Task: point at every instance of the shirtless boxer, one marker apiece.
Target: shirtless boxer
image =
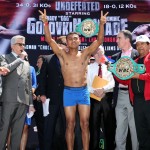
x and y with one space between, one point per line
74 70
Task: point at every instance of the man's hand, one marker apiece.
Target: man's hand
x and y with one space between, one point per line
99 92
34 96
4 70
43 98
23 55
103 18
31 109
43 16
135 76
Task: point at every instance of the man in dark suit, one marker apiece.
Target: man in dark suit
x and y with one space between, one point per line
102 130
38 115
51 86
124 109
16 95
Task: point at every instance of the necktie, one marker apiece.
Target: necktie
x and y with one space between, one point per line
100 71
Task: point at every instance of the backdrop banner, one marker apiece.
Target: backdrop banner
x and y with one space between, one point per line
22 17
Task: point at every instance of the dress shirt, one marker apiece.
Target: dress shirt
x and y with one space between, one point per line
107 75
17 56
127 53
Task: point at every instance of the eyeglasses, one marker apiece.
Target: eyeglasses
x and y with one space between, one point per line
20 44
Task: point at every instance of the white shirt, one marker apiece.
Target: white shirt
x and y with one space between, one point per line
107 75
16 56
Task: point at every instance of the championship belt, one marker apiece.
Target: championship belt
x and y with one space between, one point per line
125 67
87 28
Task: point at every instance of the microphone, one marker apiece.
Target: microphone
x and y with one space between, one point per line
25 55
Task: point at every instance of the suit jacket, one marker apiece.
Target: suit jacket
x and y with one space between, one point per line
134 55
0 85
17 83
51 80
